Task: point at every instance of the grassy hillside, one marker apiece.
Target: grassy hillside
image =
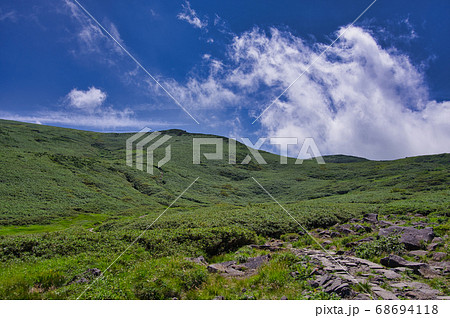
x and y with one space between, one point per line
69 202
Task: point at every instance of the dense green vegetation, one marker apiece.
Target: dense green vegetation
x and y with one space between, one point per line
68 202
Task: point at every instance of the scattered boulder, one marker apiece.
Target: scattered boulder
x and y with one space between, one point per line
345 229
426 271
284 298
86 276
383 293
437 240
418 253
256 262
198 260
432 246
232 269
385 223
412 238
371 218
219 298
419 268
398 261
439 256
389 274
220 267
362 297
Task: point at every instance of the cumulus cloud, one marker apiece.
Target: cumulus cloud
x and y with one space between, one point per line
88 100
358 98
190 16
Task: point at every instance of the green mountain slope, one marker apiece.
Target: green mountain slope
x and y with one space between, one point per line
48 173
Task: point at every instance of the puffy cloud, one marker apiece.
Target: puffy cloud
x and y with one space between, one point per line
88 100
190 16
358 98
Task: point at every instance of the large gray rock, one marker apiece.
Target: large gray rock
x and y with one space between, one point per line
398 261
411 237
419 268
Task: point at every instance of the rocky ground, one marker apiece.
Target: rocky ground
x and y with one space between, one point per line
417 259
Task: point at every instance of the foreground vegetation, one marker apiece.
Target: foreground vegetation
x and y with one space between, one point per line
68 203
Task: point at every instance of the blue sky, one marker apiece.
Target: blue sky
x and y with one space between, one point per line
381 91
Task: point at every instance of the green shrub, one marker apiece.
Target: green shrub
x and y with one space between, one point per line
380 246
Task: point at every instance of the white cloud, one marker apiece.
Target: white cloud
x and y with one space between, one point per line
88 100
357 99
190 16
108 119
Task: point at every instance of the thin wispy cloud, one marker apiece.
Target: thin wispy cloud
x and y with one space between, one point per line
86 108
9 15
190 16
90 37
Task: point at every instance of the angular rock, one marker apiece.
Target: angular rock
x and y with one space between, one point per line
426 271
397 261
390 274
220 267
284 298
256 262
411 237
439 256
437 240
419 253
432 246
86 276
322 280
420 294
371 218
361 297
345 229
219 298
333 286
383 293
385 223
198 260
